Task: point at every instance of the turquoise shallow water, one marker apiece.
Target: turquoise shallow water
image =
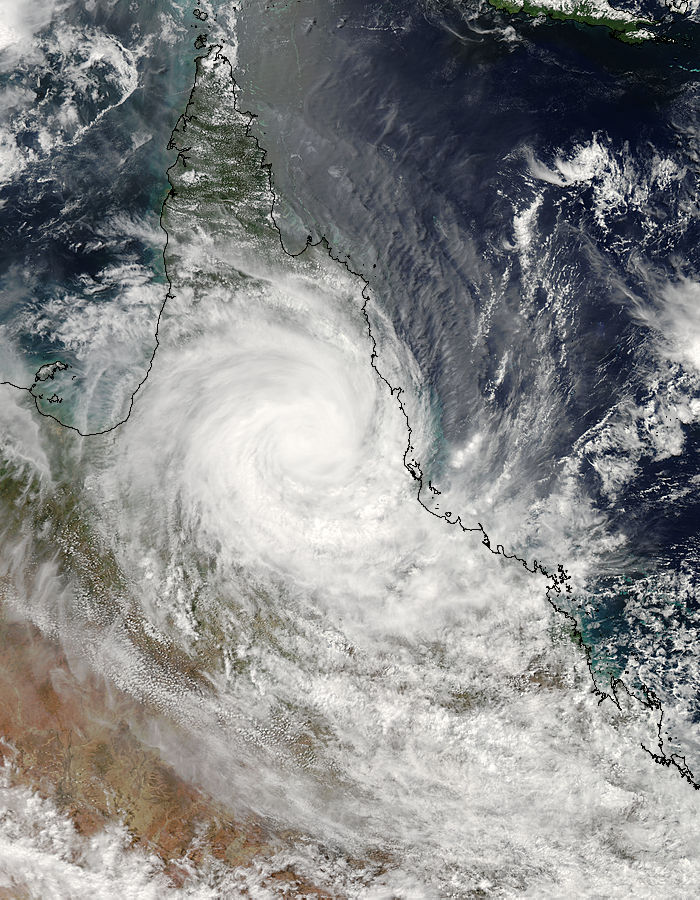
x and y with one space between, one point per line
523 203
375 684
90 104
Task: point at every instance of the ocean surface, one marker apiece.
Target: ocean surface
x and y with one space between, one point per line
525 204
393 552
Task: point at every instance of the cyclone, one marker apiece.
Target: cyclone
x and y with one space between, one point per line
370 675
238 619
273 444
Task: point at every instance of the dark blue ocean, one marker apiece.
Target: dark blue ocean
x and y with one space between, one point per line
518 199
525 203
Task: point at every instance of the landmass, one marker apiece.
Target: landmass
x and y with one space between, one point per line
622 25
48 371
76 744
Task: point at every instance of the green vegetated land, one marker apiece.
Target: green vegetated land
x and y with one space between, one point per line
622 26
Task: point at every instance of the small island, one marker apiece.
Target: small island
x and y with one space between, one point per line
48 372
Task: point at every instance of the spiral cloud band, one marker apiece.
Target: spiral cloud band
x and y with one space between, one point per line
395 701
